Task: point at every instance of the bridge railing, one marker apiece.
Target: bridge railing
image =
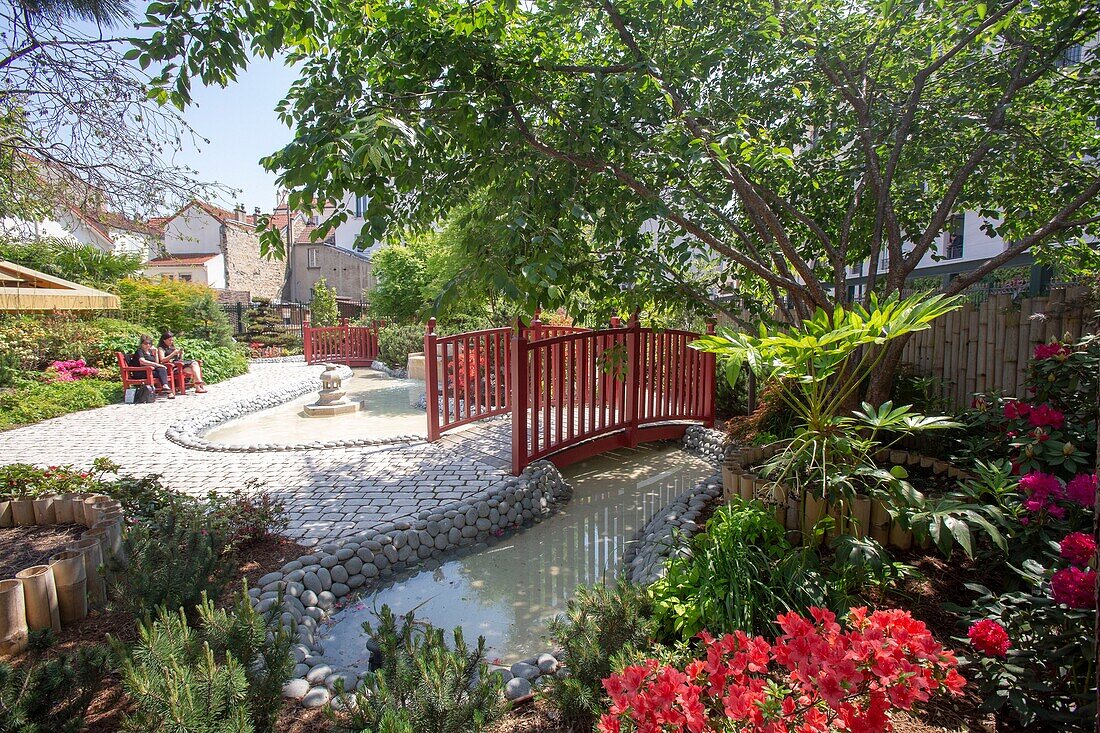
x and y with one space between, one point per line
582 393
344 344
469 377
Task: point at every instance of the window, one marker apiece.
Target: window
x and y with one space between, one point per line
314 258
856 269
185 277
954 249
1071 55
361 206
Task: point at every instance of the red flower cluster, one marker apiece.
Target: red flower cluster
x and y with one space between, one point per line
1081 489
815 677
1042 416
1079 548
71 371
1053 350
1074 587
989 638
1016 410
1043 491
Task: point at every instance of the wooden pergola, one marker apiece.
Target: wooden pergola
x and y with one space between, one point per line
24 289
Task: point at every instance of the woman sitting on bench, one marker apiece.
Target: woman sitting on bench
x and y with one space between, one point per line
169 353
146 355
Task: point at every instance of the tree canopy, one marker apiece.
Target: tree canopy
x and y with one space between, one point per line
693 146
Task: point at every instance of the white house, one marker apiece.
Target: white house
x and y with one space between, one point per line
106 231
209 245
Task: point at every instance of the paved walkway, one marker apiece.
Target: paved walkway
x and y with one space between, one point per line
328 493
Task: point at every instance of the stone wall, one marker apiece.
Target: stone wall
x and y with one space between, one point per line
246 269
348 272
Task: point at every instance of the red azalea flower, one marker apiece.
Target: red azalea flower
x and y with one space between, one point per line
989 638
1079 548
1074 587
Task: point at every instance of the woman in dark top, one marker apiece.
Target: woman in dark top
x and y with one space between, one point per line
168 352
146 355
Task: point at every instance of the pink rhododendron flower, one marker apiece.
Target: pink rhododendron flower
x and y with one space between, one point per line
1074 587
989 638
1079 548
1081 489
1046 416
1015 409
1042 490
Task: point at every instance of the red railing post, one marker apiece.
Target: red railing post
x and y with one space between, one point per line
520 381
307 341
633 380
536 325
431 381
709 382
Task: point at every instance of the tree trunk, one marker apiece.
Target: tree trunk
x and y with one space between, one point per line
881 383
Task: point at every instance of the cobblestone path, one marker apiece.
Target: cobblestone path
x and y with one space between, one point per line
329 493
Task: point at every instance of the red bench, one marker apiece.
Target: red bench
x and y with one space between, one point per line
134 376
181 379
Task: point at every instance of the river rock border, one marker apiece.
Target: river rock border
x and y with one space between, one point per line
189 433
670 528
312 585
277 359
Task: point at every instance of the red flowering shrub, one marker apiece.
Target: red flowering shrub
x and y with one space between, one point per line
1074 587
815 677
1053 350
1079 548
989 638
1042 416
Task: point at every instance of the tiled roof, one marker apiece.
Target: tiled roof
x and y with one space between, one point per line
180 259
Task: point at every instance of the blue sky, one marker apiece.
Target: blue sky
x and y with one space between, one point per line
241 125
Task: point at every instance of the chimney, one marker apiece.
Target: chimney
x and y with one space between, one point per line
238 213
256 211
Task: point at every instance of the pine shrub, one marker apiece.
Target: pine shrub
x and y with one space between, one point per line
600 625
172 560
264 326
177 684
51 696
423 685
261 643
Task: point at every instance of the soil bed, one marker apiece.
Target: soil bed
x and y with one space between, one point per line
22 547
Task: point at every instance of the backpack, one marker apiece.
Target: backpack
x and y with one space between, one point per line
140 395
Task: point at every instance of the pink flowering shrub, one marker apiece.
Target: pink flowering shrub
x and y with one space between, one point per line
816 676
1079 548
1074 587
70 371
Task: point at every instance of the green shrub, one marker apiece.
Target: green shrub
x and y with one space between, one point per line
264 326
322 308
261 643
186 309
396 342
31 402
51 696
600 626
218 362
172 560
423 686
177 684
740 574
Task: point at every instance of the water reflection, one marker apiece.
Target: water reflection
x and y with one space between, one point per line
506 592
387 409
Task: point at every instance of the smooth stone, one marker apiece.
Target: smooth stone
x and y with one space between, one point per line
344 553
313 582
516 688
339 574
309 598
295 689
357 581
340 589
316 697
326 600
353 566
329 561
318 674
325 577
290 567
300 670
270 578
525 670
547 663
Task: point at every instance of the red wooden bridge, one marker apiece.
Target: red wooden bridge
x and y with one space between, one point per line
571 392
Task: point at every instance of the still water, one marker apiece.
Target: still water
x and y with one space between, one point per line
387 410
508 591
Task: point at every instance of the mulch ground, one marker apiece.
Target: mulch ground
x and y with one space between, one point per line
22 547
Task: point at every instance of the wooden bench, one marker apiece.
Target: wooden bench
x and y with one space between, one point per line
135 376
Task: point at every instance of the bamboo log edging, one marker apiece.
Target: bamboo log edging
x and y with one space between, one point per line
61 592
13 617
800 514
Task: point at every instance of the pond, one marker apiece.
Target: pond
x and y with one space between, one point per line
507 591
388 409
